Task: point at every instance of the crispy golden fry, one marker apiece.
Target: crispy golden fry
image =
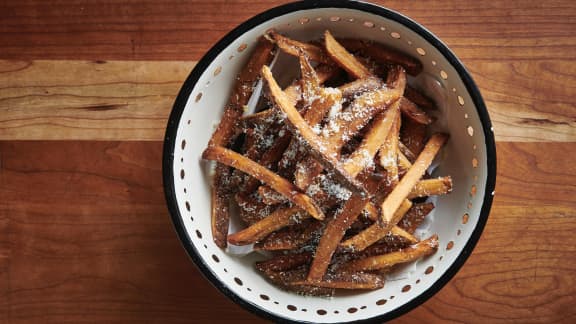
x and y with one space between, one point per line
401 233
277 220
312 115
344 59
294 48
285 262
271 197
225 131
300 127
410 110
350 121
371 211
431 187
333 234
294 93
319 99
413 136
415 217
375 232
220 212
373 140
383 54
309 82
304 171
403 163
251 209
319 106
401 191
419 99
345 280
242 91
414 252
406 153
389 151
286 280
359 86
281 185
291 237
271 156
262 117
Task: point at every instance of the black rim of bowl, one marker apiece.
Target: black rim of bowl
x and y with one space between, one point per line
188 86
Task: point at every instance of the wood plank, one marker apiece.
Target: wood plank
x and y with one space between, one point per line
536 174
90 241
184 30
131 100
94 100
529 101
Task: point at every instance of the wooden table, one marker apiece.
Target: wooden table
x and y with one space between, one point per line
85 91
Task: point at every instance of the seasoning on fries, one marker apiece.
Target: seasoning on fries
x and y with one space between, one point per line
329 180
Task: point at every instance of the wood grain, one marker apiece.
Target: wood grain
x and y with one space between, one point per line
84 233
81 100
184 30
131 100
89 240
520 272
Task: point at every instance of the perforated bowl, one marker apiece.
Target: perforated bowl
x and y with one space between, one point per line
469 157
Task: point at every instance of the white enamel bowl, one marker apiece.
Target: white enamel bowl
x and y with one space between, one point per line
469 157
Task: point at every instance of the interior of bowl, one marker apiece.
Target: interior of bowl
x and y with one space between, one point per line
468 157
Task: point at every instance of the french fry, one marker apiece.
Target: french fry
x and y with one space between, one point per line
294 93
313 115
359 86
415 216
383 54
406 153
414 252
281 185
346 124
286 280
344 59
257 231
345 280
349 122
303 171
372 141
389 152
376 231
270 197
413 136
284 262
220 208
431 187
403 163
294 48
291 237
300 127
399 232
251 209
419 99
419 167
241 93
410 110
333 234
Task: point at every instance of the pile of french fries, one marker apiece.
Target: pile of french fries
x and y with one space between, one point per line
330 175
